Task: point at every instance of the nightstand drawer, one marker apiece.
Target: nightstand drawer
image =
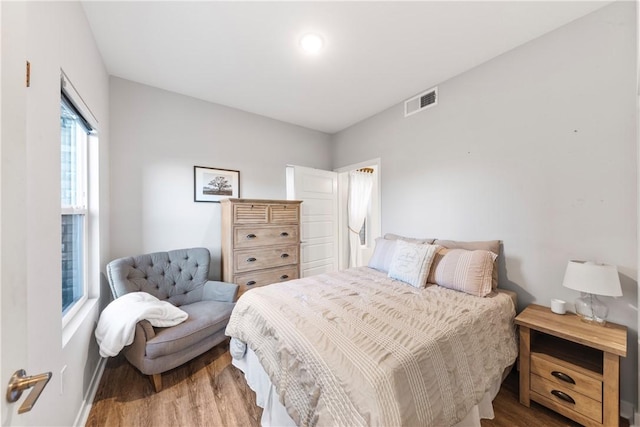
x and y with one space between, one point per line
562 396
251 280
569 376
255 259
253 236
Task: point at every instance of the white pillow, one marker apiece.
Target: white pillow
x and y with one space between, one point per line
382 254
411 262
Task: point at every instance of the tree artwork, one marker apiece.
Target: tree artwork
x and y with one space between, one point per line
219 185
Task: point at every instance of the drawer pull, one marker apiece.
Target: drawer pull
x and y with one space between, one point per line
284 277
251 282
284 234
251 236
284 256
562 376
563 396
252 259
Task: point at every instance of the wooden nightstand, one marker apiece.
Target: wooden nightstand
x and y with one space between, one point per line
570 366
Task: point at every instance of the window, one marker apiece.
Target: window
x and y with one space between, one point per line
74 131
363 233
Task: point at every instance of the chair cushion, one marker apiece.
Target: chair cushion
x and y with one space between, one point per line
205 319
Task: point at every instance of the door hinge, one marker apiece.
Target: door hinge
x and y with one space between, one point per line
28 74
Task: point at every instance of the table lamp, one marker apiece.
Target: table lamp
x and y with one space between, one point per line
592 279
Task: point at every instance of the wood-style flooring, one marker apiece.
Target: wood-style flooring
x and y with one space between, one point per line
209 391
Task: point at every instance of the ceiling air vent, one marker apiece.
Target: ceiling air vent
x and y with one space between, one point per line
421 102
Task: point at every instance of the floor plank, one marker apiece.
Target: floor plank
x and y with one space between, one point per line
209 391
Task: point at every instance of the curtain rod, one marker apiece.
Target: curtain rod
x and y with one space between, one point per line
366 170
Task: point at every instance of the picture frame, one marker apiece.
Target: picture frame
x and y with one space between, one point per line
214 184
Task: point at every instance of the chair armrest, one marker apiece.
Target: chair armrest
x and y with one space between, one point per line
220 291
145 327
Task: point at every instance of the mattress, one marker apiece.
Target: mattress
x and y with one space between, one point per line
357 348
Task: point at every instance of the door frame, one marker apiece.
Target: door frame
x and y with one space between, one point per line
376 206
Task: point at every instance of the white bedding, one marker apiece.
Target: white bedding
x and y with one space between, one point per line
357 348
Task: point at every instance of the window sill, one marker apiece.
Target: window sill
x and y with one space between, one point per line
78 319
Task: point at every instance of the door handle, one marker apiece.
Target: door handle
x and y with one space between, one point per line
19 382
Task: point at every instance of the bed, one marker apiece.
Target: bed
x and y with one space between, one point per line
357 347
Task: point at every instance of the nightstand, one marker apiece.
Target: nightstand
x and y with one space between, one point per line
570 366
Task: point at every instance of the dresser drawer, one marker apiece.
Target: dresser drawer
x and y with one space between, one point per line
569 376
250 213
256 279
256 259
254 236
562 396
285 214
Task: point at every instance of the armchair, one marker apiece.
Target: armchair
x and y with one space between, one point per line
180 277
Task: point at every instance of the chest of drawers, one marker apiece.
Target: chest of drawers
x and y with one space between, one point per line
260 241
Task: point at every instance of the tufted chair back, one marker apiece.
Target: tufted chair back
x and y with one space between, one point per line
176 276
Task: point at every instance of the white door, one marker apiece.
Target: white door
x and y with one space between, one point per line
318 190
13 210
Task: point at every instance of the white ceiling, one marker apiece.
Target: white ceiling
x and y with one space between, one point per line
246 55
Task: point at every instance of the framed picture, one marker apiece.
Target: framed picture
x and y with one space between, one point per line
213 185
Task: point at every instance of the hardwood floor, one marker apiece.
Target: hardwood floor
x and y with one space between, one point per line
209 391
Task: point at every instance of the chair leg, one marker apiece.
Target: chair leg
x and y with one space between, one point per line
156 379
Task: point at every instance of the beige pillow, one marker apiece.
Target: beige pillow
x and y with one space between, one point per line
489 245
411 262
390 236
462 270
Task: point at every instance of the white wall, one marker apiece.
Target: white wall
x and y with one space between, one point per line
536 147
157 137
55 36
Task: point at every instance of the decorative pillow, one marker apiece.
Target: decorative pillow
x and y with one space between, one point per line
382 254
489 245
466 271
411 262
391 236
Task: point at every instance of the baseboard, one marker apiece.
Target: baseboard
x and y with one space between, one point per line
83 414
627 411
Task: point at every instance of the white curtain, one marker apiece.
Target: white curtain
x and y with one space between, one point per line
360 185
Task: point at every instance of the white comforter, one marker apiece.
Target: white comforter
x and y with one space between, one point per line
117 325
357 348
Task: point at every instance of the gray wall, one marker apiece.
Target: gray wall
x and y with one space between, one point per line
157 137
536 147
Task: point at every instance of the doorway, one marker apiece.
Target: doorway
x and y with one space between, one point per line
324 219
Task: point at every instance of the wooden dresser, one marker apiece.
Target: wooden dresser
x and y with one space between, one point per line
260 241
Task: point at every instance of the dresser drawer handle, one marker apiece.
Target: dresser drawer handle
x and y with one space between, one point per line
251 236
252 259
251 282
563 396
284 276
284 256
284 234
562 376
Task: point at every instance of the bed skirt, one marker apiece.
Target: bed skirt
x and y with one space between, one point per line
274 413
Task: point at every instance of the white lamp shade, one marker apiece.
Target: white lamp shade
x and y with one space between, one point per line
597 279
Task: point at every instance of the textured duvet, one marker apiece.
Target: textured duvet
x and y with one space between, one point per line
355 348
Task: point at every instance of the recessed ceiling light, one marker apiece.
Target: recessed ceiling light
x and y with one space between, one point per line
311 43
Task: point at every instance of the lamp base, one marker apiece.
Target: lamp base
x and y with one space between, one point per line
591 310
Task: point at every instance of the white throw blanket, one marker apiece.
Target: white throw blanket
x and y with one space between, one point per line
117 325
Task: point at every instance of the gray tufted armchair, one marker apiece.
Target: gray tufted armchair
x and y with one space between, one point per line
180 277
